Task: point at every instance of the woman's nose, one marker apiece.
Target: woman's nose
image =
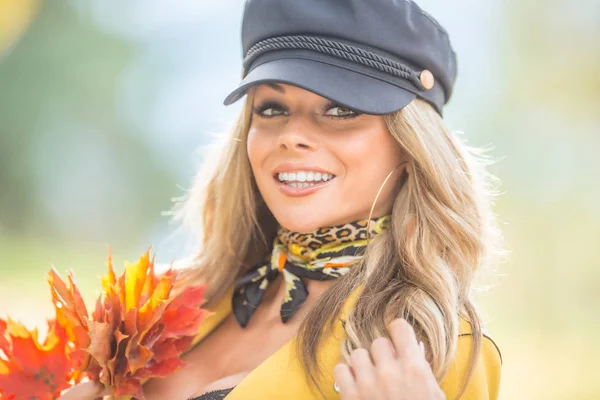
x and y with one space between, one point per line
296 137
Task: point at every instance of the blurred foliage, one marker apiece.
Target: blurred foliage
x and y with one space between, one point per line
74 174
555 59
15 16
60 129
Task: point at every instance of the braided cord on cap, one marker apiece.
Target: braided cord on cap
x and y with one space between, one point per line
337 49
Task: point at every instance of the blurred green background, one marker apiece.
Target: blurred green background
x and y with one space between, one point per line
102 105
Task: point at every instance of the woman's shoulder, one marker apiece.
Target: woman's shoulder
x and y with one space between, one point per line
466 333
484 382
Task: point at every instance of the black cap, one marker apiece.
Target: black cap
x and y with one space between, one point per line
373 56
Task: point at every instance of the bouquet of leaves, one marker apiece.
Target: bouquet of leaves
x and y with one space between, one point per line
137 330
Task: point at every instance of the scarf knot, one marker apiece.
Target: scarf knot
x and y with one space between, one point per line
323 254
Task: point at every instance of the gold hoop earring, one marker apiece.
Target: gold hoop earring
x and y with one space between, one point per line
377 196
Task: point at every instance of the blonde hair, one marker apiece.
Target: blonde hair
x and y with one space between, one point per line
421 269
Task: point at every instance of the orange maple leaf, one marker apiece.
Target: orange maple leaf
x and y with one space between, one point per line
30 370
137 329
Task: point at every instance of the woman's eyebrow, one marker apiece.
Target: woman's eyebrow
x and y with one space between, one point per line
275 86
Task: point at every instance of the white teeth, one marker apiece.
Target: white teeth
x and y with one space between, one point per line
300 184
304 176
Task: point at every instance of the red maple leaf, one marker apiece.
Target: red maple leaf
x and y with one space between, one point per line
30 370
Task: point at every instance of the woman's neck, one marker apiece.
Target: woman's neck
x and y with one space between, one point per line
275 294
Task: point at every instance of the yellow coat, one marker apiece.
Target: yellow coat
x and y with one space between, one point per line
281 376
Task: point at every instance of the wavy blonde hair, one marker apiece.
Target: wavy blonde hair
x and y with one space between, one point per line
421 269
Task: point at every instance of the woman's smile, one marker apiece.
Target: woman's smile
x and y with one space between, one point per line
297 180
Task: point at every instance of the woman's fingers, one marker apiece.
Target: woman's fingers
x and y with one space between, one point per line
365 374
85 391
382 351
387 368
395 369
345 381
404 339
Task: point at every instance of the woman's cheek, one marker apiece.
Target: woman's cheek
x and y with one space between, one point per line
255 148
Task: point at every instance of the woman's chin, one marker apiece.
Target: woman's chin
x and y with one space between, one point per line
302 222
307 222
300 226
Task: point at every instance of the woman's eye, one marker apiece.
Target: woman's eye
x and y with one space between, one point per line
341 112
269 110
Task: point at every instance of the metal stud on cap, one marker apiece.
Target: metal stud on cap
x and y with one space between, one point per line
427 79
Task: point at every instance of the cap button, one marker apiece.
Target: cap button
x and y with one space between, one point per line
427 79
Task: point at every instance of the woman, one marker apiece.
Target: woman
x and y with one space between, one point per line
341 224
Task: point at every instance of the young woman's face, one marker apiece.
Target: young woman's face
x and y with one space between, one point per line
318 164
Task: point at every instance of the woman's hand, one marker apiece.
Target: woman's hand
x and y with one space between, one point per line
85 391
397 371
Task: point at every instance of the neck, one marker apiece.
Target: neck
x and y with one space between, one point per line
275 295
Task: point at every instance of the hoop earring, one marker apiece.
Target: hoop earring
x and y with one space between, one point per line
403 180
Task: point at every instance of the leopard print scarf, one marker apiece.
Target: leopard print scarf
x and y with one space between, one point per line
323 254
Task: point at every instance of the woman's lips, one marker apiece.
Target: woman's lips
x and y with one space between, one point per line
303 191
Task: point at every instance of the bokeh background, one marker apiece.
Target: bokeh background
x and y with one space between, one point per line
103 103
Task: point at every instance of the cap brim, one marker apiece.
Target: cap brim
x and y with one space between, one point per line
351 89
